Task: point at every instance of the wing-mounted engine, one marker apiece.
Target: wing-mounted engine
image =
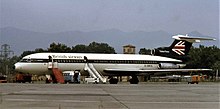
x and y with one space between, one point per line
168 66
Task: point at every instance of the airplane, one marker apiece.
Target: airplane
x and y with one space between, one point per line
102 65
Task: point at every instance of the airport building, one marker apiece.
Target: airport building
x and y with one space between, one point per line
129 49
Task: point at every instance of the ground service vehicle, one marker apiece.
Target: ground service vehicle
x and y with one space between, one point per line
22 78
3 79
193 79
71 76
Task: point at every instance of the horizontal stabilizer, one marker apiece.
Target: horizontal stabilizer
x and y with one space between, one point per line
191 39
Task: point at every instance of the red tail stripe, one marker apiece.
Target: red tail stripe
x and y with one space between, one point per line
179 47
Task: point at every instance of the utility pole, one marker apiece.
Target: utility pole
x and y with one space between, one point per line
5 53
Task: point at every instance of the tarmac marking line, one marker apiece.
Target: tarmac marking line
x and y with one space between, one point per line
40 100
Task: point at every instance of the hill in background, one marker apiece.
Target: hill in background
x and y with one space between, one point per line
22 40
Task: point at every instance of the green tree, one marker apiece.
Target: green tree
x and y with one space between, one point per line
11 62
25 53
59 48
145 51
95 47
38 50
216 66
8 64
203 57
80 49
1 66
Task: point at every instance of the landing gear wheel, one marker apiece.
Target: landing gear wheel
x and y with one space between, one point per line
134 80
113 80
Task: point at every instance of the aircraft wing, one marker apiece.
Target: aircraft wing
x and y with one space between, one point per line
109 70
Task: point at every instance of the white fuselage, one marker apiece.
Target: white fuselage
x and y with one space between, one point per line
38 63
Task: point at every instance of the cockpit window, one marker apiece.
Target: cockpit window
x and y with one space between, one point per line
35 60
23 60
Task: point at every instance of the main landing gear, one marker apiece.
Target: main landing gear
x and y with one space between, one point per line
134 80
112 80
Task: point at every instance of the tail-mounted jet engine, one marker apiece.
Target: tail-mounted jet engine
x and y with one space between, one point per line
168 66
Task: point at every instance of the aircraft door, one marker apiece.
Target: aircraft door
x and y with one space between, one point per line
50 59
52 64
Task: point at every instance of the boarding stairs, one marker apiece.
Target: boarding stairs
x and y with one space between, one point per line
57 72
94 73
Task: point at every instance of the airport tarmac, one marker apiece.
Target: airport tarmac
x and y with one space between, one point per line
108 96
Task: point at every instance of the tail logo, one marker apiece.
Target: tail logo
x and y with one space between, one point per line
179 48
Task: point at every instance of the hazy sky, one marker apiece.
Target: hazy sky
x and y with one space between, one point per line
173 16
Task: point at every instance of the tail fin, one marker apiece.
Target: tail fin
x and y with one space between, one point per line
180 48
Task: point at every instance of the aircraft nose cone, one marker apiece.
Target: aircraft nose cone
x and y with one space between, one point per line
16 67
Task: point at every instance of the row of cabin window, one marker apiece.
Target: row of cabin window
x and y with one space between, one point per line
91 61
105 61
55 60
124 61
34 60
68 61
